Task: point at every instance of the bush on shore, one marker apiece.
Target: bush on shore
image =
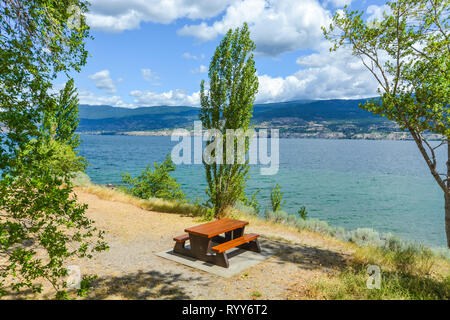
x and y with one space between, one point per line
156 183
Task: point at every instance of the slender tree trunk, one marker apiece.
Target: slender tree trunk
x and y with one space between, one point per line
447 196
447 218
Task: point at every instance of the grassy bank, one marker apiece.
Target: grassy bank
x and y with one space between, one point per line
154 204
408 270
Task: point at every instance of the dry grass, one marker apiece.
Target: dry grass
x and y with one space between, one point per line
404 275
154 204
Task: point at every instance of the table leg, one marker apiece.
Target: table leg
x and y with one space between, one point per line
200 248
251 246
199 245
238 233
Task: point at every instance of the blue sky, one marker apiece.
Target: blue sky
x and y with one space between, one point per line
148 53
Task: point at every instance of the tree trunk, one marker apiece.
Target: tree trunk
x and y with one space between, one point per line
447 218
447 196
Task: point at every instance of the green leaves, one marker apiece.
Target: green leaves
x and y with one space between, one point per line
41 223
276 198
60 118
155 184
228 105
408 53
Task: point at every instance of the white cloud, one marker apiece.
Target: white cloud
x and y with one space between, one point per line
201 69
187 55
323 75
376 12
120 15
87 97
339 3
176 97
103 81
149 75
276 26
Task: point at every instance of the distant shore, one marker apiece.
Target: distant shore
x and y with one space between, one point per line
293 135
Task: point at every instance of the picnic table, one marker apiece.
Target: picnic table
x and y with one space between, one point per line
207 243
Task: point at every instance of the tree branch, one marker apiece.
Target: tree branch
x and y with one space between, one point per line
434 173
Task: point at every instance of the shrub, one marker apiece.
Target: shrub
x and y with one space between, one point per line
253 202
155 184
80 179
393 243
292 219
441 252
276 198
279 216
365 236
314 225
245 209
303 213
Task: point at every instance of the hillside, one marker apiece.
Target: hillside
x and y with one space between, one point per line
306 118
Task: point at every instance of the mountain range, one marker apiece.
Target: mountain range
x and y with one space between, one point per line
335 118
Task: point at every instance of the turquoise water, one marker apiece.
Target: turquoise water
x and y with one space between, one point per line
383 185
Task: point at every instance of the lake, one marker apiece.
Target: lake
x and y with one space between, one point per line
384 185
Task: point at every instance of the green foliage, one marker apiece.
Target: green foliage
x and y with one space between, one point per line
228 105
41 210
41 223
253 202
364 236
303 213
36 44
276 198
155 184
408 53
245 209
61 116
278 216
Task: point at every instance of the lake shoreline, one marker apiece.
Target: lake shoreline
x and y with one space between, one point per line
391 136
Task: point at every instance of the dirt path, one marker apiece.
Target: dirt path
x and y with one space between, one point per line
131 270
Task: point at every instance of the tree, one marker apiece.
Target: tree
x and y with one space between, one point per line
276 198
408 53
61 116
155 184
228 105
41 223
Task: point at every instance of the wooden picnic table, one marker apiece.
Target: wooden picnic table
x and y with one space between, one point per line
203 237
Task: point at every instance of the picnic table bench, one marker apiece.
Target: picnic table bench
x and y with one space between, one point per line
207 244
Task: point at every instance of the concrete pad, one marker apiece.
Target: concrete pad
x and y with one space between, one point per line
239 260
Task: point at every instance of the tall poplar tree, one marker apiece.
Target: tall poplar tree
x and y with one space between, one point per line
228 104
